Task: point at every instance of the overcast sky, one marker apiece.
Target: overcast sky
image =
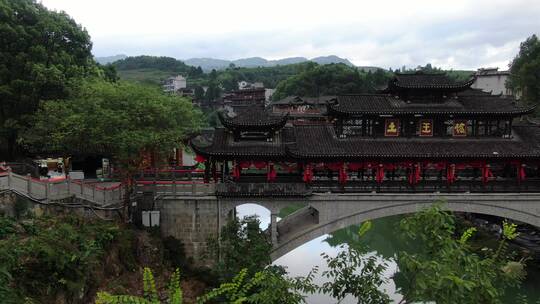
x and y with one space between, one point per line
458 34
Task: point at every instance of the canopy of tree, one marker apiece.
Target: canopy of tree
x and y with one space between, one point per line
331 79
119 120
525 71
41 51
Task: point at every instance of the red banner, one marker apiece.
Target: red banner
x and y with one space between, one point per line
451 174
308 174
486 174
343 175
271 175
380 174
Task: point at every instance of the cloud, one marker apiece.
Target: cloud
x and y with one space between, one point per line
460 34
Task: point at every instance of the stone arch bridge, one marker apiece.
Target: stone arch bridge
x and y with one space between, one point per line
195 219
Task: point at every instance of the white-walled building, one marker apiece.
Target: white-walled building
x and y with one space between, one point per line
174 84
492 80
244 85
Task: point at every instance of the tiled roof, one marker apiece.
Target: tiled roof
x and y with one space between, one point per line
421 80
387 104
223 144
253 118
474 92
298 100
320 142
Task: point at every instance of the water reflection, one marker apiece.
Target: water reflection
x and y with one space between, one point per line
301 260
382 239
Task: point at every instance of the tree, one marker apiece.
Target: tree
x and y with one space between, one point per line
119 120
445 270
330 79
41 51
109 72
240 236
525 71
199 93
356 272
441 268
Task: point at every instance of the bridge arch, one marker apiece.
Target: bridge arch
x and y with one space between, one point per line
332 218
248 209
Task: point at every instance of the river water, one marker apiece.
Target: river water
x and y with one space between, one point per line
381 239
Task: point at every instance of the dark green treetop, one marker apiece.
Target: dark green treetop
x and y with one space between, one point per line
41 51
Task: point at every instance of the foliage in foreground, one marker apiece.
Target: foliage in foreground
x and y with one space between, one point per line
268 286
150 292
445 270
356 272
44 259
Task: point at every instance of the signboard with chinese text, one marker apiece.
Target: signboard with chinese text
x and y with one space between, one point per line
391 127
426 127
460 128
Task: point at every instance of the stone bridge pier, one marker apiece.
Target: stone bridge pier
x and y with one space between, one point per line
194 220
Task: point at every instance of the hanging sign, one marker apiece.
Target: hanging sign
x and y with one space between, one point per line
391 127
426 127
460 128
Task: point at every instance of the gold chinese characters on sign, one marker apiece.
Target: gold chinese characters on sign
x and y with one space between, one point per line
460 128
391 127
426 127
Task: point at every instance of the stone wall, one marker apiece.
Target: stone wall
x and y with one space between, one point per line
13 204
192 220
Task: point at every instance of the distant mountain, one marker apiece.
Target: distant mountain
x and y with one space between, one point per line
110 59
208 64
252 62
331 59
290 60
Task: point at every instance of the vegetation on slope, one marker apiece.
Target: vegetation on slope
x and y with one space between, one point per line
50 259
525 71
331 79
